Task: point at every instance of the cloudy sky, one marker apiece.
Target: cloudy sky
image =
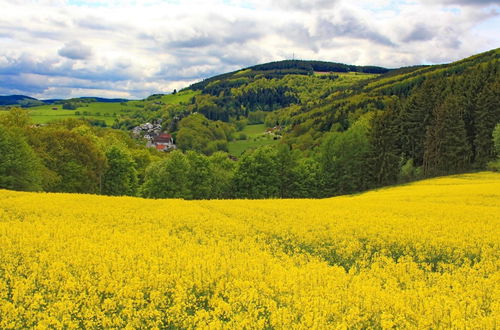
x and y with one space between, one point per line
131 49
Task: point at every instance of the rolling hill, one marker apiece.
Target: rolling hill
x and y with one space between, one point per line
27 101
20 100
280 69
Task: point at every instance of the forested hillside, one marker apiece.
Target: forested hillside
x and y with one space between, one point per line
331 129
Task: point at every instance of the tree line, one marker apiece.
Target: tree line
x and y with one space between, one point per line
71 156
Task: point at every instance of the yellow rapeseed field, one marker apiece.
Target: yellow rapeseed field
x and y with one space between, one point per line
423 255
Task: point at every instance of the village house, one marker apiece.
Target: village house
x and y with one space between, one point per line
163 142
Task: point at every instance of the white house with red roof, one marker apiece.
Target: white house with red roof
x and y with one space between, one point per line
163 142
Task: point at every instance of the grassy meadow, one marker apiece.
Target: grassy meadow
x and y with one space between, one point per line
255 137
95 110
422 255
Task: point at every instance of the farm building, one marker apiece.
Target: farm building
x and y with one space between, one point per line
163 142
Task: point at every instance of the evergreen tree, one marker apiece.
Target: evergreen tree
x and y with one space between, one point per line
487 115
469 86
327 161
285 166
383 156
447 149
415 117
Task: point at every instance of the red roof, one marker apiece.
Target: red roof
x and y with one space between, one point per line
165 136
160 147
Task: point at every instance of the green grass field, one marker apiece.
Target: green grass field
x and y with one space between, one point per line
95 110
256 137
180 97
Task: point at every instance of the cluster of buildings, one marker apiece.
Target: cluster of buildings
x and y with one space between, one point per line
147 130
155 137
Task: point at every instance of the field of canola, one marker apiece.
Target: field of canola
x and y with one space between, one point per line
424 255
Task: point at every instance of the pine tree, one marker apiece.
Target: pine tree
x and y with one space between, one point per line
469 87
487 116
285 167
447 149
415 117
328 160
384 156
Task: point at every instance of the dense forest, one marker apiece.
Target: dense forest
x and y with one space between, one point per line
342 129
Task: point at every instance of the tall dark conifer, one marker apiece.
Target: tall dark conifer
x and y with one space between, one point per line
384 155
286 164
487 116
469 86
415 117
447 149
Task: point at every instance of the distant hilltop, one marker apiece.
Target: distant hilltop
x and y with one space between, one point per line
280 69
28 101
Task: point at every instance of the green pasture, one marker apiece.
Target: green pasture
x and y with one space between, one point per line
256 137
96 110
180 97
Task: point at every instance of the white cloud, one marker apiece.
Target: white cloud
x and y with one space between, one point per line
133 49
75 50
